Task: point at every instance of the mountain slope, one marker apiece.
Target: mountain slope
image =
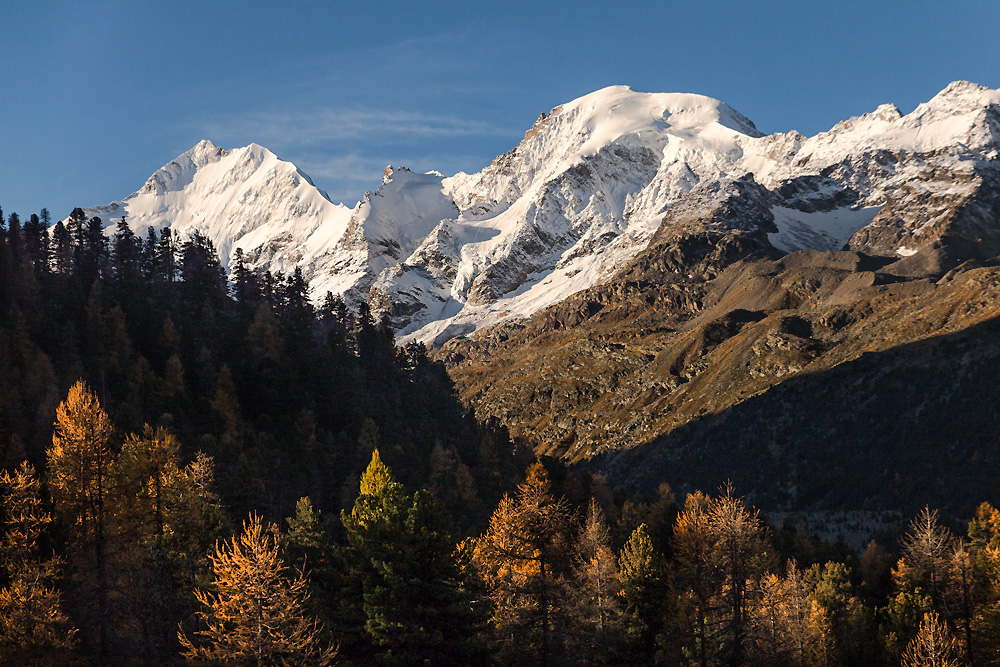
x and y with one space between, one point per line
585 191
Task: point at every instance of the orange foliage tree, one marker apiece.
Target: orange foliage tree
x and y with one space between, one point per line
256 612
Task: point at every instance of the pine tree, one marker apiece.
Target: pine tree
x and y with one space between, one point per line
642 588
404 566
94 252
36 240
164 261
14 236
304 528
126 262
244 281
203 275
62 250
256 612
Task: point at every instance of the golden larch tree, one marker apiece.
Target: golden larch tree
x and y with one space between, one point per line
934 645
81 459
32 622
523 558
256 612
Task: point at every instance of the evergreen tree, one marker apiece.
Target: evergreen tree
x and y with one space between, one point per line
164 264
93 253
244 281
15 237
200 269
404 565
306 536
62 250
642 589
36 241
76 225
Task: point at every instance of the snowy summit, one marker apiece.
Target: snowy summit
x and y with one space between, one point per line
583 192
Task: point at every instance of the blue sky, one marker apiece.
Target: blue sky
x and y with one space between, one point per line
96 96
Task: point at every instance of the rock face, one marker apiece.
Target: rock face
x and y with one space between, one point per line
811 380
588 188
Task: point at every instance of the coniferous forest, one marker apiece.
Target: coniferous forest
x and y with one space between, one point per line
210 470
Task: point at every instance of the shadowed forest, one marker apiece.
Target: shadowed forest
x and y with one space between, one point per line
215 471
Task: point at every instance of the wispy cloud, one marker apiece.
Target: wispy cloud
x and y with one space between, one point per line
345 177
346 149
335 125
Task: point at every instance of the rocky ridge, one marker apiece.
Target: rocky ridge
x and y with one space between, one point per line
584 192
715 354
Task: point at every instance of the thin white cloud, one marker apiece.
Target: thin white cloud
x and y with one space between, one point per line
345 177
309 128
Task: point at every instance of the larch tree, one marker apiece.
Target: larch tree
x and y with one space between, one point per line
167 524
32 621
696 579
923 570
934 645
738 537
924 562
80 460
961 595
148 469
256 610
595 582
524 559
717 543
788 626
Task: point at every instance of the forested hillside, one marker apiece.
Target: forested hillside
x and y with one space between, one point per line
290 399
210 471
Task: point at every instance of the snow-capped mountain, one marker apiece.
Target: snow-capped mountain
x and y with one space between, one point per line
244 198
584 192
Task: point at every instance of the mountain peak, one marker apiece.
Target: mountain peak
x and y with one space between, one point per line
962 89
590 184
960 98
177 173
203 147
